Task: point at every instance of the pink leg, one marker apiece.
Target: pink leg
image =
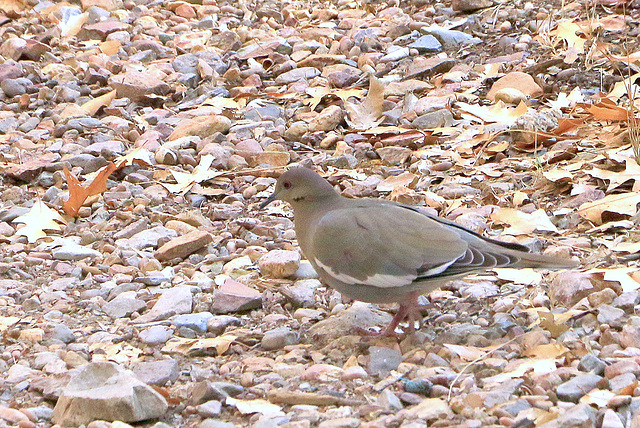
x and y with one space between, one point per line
410 310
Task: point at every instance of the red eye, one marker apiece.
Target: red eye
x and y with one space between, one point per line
286 185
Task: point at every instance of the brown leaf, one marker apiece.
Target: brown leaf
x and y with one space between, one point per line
79 193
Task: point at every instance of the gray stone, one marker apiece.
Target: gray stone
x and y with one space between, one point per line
148 238
608 314
197 322
579 416
204 391
389 401
434 119
156 335
623 384
173 301
12 88
87 162
218 323
302 73
133 228
69 250
209 408
62 333
427 44
591 363
216 423
575 388
157 372
302 292
383 360
627 301
123 305
279 338
451 39
108 392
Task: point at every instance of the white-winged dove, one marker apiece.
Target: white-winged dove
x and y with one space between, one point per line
379 251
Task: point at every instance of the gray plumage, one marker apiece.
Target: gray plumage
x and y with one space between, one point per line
380 251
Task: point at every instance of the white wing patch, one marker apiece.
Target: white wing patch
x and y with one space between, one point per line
377 280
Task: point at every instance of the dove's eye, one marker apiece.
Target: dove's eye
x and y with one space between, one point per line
287 185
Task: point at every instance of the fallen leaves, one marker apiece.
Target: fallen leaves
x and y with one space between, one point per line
78 193
204 346
39 219
367 114
521 223
621 204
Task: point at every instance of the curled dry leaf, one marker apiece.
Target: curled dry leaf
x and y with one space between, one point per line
92 107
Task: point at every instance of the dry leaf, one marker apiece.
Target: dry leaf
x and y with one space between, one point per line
72 26
557 175
522 223
618 178
37 220
548 350
568 31
498 113
525 276
6 322
79 193
186 180
621 203
254 406
92 107
598 397
549 323
190 347
367 114
13 7
467 353
139 155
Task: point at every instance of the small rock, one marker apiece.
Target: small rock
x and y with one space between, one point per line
394 155
12 88
173 301
233 296
106 391
218 323
157 372
327 120
302 73
197 322
607 314
209 409
184 245
426 44
279 263
591 363
383 360
204 391
201 127
581 415
575 388
123 305
156 335
279 338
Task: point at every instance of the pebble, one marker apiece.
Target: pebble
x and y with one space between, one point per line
279 338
